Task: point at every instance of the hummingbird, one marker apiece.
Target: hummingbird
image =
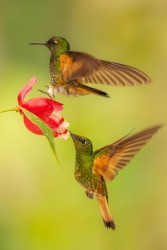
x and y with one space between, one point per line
92 169
70 71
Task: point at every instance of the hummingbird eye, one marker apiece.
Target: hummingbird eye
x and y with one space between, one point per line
52 42
82 140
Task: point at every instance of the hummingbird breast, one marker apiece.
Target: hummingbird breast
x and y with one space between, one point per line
92 183
55 75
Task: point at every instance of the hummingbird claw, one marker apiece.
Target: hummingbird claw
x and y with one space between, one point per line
51 96
44 92
47 92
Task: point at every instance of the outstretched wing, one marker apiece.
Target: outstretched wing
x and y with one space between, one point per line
110 159
88 69
76 65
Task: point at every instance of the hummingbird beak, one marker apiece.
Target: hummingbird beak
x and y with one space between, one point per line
38 43
72 135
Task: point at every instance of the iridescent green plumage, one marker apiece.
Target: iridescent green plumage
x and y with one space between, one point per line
92 169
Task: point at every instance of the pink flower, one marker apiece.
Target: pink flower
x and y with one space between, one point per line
44 108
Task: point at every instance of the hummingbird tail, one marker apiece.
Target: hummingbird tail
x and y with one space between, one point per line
105 212
85 90
98 92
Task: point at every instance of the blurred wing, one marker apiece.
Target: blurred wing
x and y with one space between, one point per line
110 159
87 69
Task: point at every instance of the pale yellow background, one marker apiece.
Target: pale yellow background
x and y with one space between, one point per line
44 208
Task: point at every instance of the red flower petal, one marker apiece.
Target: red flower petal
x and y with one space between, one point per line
26 89
57 106
36 130
42 107
31 126
64 135
54 125
38 106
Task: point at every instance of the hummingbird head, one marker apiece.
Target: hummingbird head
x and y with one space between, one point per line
82 144
55 44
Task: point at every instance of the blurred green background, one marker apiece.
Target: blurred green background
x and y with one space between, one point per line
42 207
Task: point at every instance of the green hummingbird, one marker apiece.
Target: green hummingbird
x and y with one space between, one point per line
92 169
70 71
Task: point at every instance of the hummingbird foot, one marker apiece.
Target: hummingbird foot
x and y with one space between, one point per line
46 93
52 91
49 92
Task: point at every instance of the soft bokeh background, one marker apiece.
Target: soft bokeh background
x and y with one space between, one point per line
42 207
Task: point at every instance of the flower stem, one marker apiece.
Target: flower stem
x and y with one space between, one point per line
12 109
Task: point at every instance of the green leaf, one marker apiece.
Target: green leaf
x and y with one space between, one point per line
45 129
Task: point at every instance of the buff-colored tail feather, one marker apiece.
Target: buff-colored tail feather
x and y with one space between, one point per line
105 212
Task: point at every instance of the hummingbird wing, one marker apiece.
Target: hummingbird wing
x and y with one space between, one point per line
88 69
76 65
110 159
